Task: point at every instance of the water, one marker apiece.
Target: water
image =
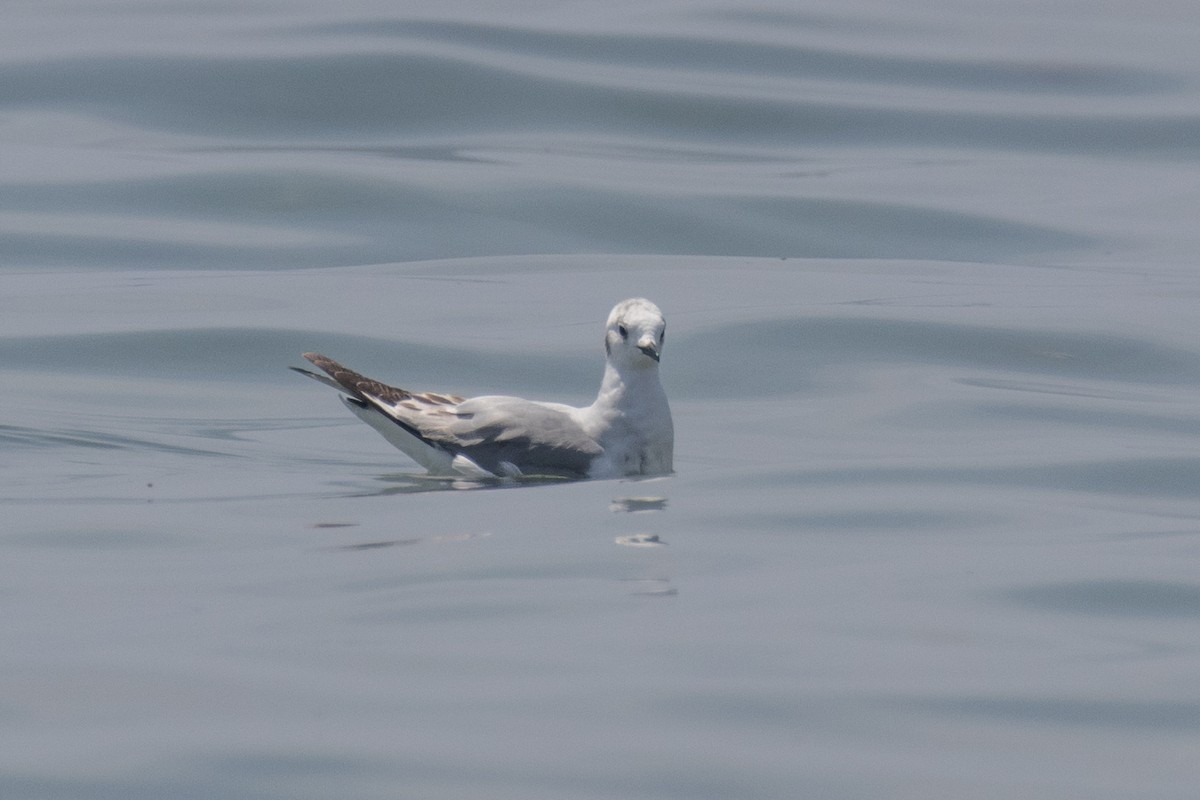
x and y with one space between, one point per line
931 283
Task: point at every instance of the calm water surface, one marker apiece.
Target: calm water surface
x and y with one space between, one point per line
931 281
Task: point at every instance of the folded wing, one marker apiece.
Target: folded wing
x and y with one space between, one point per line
495 434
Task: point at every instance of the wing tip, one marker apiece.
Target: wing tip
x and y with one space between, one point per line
328 366
317 377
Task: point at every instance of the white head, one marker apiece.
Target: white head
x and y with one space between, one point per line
635 334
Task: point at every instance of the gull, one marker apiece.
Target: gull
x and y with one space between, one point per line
627 430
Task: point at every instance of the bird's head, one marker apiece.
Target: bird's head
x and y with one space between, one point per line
634 337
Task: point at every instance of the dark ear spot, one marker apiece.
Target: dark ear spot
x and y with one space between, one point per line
607 346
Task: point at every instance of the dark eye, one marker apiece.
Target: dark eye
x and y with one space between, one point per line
662 335
621 329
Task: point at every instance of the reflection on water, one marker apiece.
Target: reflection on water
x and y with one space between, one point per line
641 540
419 482
637 505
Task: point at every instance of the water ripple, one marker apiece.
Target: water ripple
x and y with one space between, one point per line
682 89
1164 715
1119 598
1168 477
799 348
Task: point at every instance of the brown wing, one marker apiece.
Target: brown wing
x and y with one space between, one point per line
367 389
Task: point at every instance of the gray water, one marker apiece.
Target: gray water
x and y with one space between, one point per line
931 280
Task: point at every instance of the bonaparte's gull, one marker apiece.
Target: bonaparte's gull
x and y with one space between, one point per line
626 431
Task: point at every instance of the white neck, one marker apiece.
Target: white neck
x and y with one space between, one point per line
632 422
619 387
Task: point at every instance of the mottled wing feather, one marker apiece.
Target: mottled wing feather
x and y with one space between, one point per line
491 431
403 407
364 388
